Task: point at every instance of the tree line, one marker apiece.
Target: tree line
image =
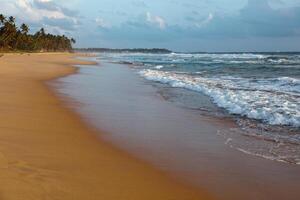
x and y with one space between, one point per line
14 38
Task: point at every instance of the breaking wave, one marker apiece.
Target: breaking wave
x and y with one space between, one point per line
274 101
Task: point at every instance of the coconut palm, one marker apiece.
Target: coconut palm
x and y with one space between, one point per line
24 29
14 38
2 19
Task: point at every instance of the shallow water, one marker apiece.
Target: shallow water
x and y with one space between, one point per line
261 92
174 135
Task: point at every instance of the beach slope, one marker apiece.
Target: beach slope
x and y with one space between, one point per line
46 152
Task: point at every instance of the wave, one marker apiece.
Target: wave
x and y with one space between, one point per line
209 59
275 101
220 56
159 67
285 85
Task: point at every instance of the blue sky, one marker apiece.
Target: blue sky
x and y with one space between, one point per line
182 25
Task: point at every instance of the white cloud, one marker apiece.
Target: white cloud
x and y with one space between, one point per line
102 23
36 14
40 12
157 20
139 3
206 21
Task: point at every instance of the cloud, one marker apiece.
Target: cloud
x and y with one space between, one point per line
156 20
141 27
44 13
206 21
52 6
101 23
139 3
257 19
66 23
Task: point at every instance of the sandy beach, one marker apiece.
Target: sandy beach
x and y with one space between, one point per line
47 152
149 100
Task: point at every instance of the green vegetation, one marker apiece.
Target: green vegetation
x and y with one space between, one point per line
13 38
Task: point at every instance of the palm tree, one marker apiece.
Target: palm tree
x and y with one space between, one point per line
11 20
24 29
22 39
42 31
2 18
14 38
8 33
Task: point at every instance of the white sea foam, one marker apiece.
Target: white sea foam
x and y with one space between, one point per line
219 56
245 61
209 58
286 85
272 101
283 61
277 146
159 67
268 157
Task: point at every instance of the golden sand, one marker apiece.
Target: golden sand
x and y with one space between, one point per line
46 152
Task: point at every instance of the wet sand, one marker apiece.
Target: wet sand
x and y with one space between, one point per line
47 152
179 141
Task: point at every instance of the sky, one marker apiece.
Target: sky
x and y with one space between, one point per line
180 25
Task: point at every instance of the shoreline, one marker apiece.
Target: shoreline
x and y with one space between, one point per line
47 152
176 140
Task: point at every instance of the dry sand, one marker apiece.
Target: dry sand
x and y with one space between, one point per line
46 152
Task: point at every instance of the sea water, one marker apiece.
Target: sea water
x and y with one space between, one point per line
259 91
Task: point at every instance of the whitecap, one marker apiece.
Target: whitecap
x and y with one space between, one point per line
240 96
159 67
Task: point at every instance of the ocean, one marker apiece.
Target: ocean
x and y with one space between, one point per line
259 91
227 123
